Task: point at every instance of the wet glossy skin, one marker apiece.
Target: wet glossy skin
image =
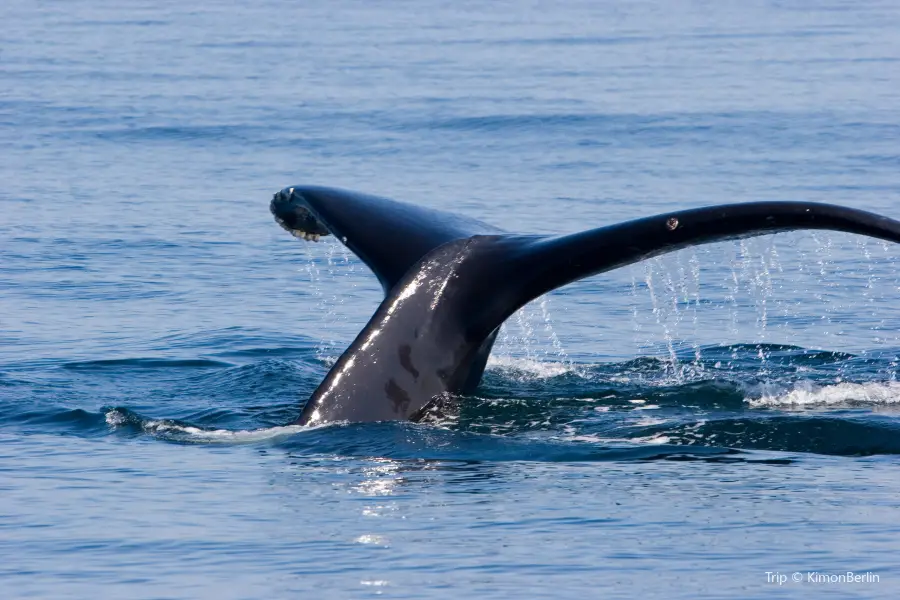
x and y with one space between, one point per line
415 346
412 350
389 236
450 282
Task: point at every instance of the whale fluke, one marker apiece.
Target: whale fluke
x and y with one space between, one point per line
450 283
389 236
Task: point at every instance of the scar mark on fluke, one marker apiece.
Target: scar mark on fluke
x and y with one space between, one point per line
399 398
405 352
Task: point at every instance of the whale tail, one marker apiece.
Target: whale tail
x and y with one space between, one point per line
537 265
451 282
389 236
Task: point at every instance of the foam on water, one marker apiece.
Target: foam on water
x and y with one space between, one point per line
189 433
529 367
807 394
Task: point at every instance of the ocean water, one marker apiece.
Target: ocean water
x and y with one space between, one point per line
710 423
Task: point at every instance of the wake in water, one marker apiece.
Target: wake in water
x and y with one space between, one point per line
536 402
733 398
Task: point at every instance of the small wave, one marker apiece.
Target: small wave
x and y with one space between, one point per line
234 341
691 365
84 422
783 353
810 394
572 434
499 122
145 363
181 133
275 352
817 434
173 430
7 381
419 442
410 441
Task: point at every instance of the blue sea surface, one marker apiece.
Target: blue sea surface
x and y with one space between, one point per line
709 423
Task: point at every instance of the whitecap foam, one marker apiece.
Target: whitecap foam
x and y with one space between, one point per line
570 434
650 422
115 418
594 438
224 436
192 433
653 440
807 393
378 540
535 368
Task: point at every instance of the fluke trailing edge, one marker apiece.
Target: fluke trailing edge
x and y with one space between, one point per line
450 282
